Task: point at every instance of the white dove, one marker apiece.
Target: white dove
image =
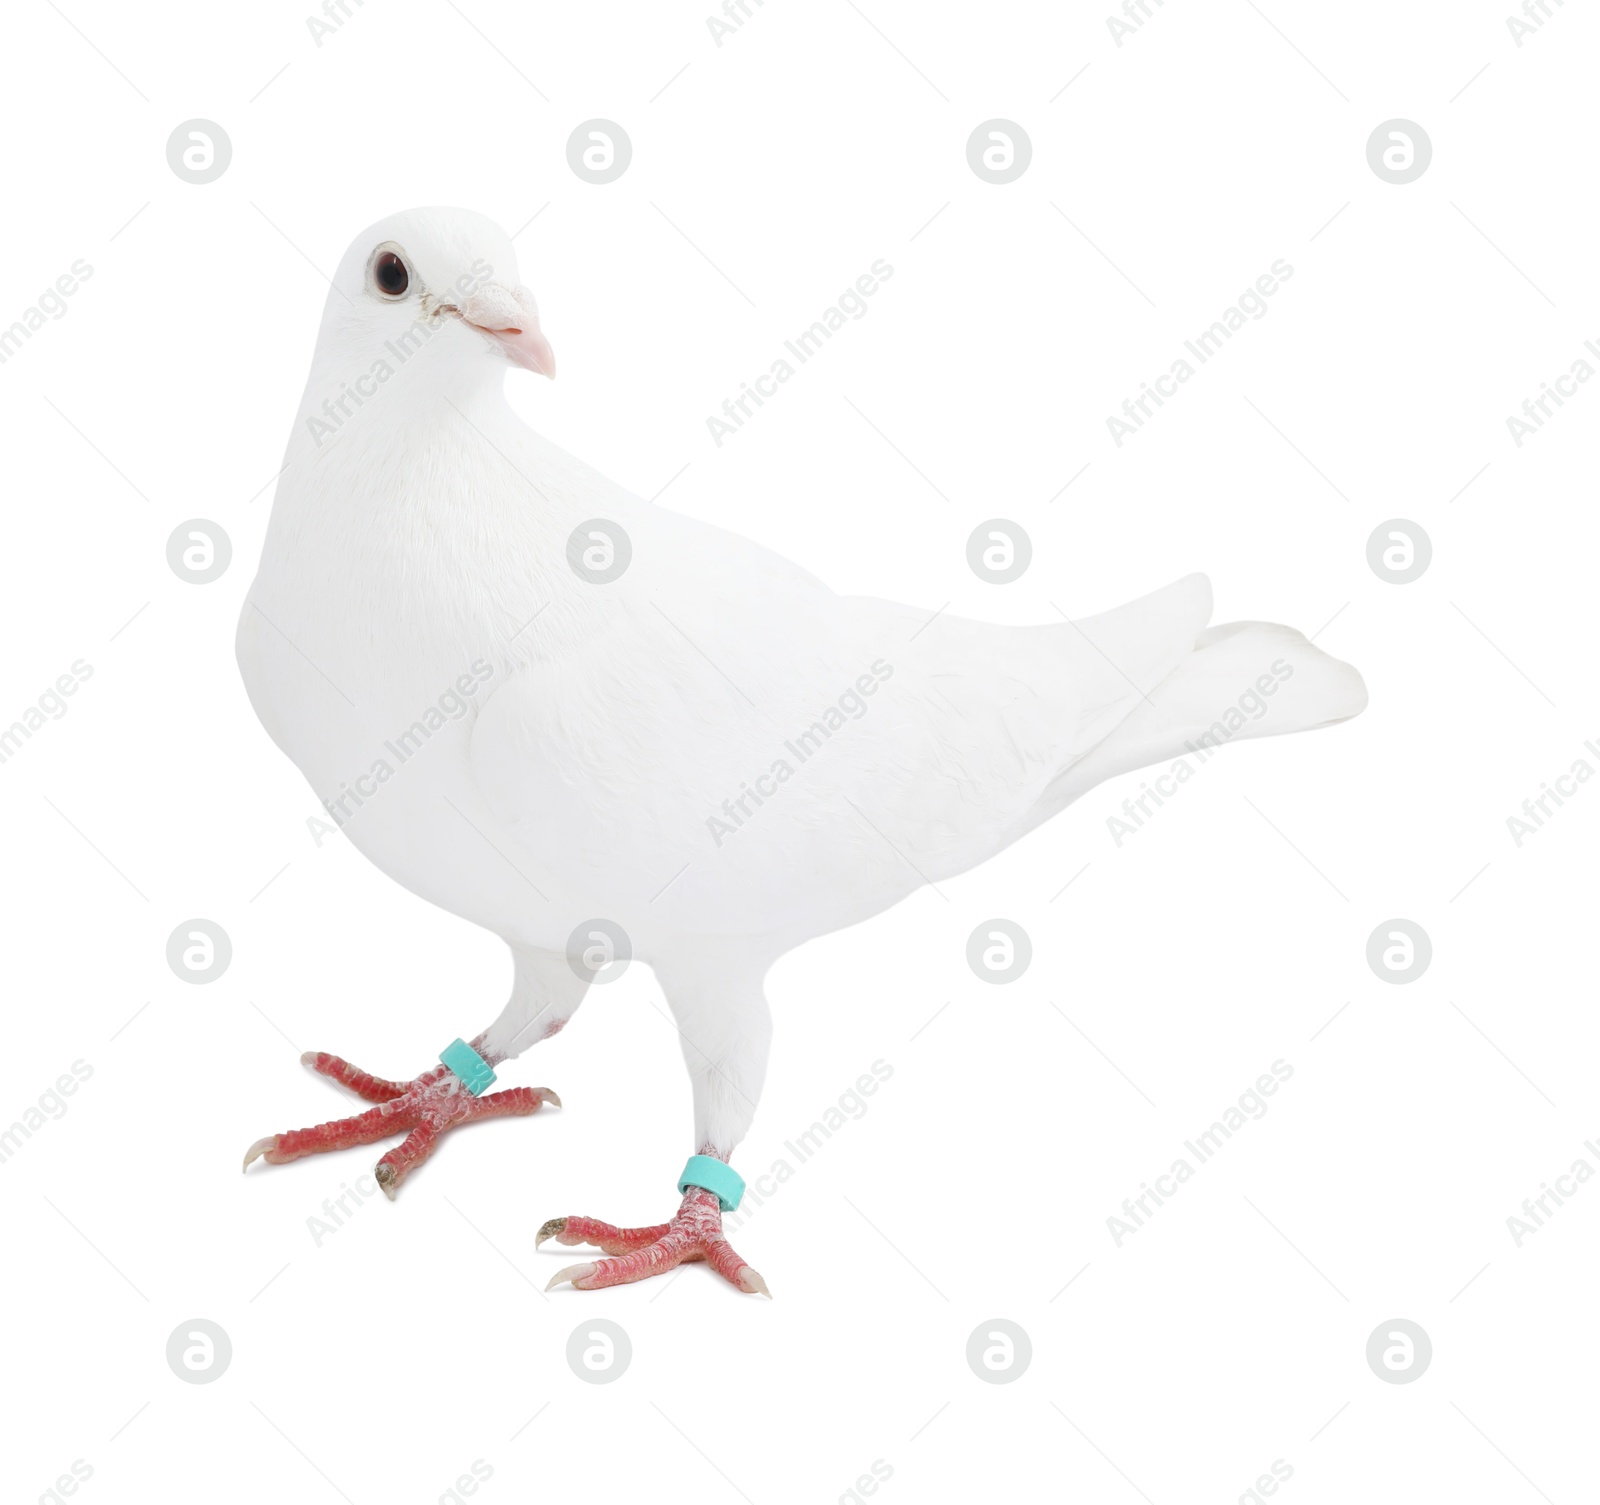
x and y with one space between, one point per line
601 729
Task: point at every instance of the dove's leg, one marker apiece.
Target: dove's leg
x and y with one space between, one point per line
544 995
726 1030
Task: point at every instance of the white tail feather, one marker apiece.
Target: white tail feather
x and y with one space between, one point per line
1244 679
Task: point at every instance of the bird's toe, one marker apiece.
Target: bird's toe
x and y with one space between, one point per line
267 1147
574 1273
751 1283
552 1229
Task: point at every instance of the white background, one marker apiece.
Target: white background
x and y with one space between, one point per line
767 175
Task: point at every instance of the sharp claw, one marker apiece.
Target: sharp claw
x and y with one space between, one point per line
574 1273
750 1281
550 1230
258 1149
386 1178
548 1095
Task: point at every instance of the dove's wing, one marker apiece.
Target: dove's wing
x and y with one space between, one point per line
726 741
990 715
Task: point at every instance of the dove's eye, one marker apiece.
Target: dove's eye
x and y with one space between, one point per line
389 274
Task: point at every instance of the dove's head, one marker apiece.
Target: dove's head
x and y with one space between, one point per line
439 286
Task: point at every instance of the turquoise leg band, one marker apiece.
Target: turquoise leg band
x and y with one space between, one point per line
714 1176
475 1072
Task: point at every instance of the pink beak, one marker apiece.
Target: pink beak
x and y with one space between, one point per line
510 318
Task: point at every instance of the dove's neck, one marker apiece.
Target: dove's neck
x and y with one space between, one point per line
356 399
430 503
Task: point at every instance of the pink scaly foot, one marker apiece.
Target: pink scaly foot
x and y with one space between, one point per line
424 1109
695 1233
